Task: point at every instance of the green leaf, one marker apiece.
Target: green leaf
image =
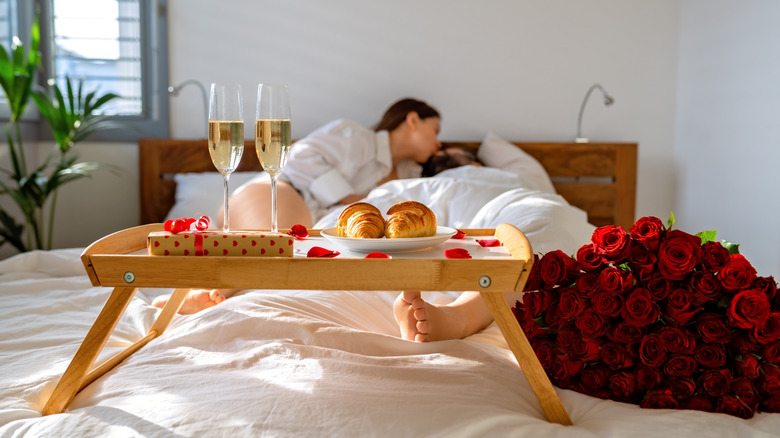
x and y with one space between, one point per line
707 236
670 222
732 247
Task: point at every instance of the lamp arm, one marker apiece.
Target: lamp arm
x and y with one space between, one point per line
174 91
607 101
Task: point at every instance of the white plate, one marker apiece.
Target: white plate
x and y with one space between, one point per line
390 245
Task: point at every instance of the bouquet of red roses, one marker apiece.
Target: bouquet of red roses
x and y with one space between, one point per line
657 317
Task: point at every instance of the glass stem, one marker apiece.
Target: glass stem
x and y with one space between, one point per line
274 227
226 213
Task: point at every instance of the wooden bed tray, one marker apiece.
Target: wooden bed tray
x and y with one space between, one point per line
120 261
599 178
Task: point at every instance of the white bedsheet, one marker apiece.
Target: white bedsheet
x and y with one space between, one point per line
300 363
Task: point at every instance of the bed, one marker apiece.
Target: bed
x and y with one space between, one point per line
315 362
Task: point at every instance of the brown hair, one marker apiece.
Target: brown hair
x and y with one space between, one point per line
396 114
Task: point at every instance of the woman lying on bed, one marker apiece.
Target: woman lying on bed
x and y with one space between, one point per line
411 138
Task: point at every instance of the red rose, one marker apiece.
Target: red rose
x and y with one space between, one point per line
531 328
772 353
658 286
652 351
606 303
624 333
588 258
615 280
622 385
748 309
746 391
714 256
534 281
769 383
710 355
714 383
595 377
678 254
590 323
769 331
680 366
747 366
564 368
713 328
641 260
705 287
698 403
640 309
679 308
570 305
737 274
612 243
587 284
771 404
552 318
556 268
537 302
648 377
681 387
545 352
659 399
648 231
766 284
677 341
586 349
733 405
742 344
616 356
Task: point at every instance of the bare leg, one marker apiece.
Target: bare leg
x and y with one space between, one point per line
251 207
197 299
424 322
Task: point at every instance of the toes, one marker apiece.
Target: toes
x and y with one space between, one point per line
216 296
423 327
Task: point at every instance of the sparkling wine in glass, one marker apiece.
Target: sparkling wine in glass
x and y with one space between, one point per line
226 135
273 135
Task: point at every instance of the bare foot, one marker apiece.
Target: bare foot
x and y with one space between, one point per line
424 322
196 300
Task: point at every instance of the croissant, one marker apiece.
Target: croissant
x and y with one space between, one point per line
360 220
410 219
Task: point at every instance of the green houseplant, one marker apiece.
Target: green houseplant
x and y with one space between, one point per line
71 116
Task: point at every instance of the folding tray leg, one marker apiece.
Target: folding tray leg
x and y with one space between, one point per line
529 363
76 376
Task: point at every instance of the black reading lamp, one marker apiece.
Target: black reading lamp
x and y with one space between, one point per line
608 100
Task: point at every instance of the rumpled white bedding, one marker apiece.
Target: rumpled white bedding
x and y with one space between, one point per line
303 363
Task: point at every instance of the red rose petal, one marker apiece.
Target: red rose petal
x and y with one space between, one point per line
488 242
299 232
318 251
457 253
458 235
377 255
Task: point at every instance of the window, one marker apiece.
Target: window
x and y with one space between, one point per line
115 46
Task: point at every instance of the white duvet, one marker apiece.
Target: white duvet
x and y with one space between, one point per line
306 363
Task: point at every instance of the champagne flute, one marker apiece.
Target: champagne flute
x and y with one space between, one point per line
226 135
272 135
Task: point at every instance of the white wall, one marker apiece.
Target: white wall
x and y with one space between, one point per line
519 68
727 154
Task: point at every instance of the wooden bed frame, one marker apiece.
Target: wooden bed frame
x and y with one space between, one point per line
599 178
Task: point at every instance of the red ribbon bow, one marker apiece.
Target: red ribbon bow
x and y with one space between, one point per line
183 224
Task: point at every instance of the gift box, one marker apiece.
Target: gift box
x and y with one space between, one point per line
219 243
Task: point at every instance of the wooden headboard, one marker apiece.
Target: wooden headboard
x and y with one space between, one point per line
599 178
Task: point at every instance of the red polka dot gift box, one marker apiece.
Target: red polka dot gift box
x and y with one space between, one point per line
219 243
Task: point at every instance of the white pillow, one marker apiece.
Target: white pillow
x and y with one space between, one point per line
199 194
499 153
